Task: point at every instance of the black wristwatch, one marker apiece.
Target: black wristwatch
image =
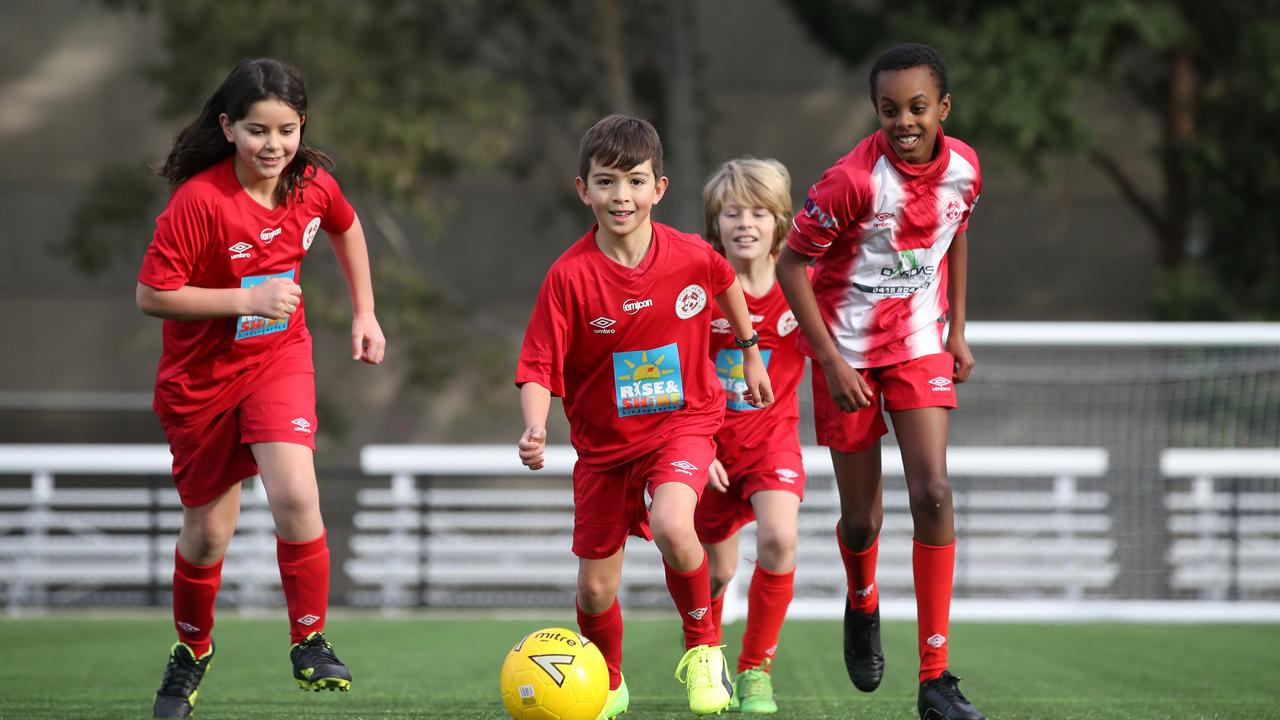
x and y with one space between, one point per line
744 344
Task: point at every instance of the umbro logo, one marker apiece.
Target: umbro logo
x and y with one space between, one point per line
697 614
936 641
864 592
787 475
941 384
301 425
308 620
240 250
684 466
188 627
603 325
720 326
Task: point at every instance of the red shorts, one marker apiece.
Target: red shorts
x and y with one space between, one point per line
610 504
909 385
210 457
774 464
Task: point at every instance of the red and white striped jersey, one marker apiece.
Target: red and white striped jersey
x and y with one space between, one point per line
880 229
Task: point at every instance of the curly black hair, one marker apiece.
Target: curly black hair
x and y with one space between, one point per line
909 55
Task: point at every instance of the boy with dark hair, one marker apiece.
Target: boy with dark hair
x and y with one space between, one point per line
887 225
620 332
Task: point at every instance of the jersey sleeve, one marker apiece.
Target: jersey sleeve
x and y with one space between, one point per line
973 202
182 232
339 215
830 209
546 340
722 273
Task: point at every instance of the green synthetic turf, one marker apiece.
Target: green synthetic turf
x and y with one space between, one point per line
72 667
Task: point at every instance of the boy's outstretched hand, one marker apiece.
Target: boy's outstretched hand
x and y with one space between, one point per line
759 391
532 443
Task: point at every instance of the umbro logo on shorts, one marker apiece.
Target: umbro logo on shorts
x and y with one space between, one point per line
684 466
787 475
301 425
941 384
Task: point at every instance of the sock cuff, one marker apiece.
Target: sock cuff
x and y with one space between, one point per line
773 578
928 548
614 609
195 572
686 574
295 551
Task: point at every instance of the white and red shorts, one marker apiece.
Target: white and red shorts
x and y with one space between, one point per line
908 385
610 504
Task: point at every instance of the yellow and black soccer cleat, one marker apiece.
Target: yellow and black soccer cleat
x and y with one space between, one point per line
176 697
315 667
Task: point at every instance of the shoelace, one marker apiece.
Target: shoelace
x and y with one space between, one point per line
754 682
948 686
696 660
181 676
315 651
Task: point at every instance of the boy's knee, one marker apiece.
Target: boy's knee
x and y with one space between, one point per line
930 495
775 546
858 531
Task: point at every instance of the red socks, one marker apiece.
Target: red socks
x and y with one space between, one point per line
860 571
933 568
195 589
304 573
691 592
717 612
605 630
767 602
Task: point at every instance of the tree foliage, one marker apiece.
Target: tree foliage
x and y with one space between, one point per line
1204 73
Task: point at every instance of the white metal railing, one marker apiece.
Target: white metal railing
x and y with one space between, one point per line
1223 539
1077 521
86 538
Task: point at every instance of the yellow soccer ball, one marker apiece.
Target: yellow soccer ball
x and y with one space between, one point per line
554 674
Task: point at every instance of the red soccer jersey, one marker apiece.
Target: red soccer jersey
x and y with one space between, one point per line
213 234
744 425
880 228
627 348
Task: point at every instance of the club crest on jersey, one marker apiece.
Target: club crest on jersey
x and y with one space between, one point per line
952 209
787 323
309 234
248 326
648 381
690 301
732 378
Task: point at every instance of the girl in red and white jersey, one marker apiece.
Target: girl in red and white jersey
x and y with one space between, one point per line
887 225
758 474
235 390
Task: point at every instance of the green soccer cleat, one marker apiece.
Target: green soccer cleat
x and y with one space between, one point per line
176 697
315 667
706 679
616 703
753 692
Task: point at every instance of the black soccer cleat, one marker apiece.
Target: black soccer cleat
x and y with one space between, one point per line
863 657
176 697
315 667
940 699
